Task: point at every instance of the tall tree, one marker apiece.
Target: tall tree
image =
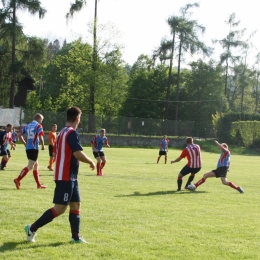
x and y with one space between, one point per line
166 52
75 7
231 41
188 43
12 6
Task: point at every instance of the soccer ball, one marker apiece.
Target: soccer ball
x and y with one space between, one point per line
191 187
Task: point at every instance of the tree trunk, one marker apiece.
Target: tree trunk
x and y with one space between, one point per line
168 94
178 89
94 69
12 87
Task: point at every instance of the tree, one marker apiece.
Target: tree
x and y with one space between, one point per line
231 41
188 42
11 6
165 52
146 89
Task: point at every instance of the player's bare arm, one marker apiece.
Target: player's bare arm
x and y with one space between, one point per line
42 141
218 144
20 137
176 160
84 158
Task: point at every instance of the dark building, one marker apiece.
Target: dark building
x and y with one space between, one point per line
25 85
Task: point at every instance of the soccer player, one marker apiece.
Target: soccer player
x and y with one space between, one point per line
97 148
5 139
52 141
163 148
34 134
14 138
221 171
193 154
68 153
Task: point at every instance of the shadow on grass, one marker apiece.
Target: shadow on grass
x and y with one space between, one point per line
138 194
11 246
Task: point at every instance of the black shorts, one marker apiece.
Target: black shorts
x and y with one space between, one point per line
186 170
50 150
32 154
162 153
3 152
221 172
66 192
98 154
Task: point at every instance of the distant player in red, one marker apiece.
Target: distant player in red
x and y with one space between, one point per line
5 139
193 154
68 152
163 148
97 143
52 142
221 171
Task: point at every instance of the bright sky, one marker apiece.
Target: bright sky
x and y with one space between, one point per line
142 23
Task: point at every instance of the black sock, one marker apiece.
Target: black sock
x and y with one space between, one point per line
179 184
74 219
191 177
46 217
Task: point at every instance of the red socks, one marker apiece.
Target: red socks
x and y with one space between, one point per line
23 173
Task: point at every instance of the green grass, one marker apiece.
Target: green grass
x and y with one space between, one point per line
133 211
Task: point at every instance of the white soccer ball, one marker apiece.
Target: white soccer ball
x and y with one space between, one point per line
191 187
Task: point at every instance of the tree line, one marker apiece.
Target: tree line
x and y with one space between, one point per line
93 75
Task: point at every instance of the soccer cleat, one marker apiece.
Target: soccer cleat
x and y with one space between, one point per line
178 190
191 187
50 169
17 184
240 190
29 234
81 240
41 187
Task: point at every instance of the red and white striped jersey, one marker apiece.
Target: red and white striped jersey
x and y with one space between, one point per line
192 152
67 165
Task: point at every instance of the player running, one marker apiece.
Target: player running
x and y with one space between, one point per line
193 154
34 134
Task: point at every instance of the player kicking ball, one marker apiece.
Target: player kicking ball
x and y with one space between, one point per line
220 172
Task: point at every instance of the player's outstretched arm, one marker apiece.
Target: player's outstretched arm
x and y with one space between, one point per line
218 144
84 158
176 160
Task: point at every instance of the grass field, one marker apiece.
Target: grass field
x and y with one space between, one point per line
133 211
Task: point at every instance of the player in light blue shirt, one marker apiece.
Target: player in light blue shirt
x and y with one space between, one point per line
97 143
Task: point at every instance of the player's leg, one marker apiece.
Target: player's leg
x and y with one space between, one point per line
25 170
165 158
231 184
74 215
96 155
51 158
159 157
62 196
190 179
103 162
37 176
205 176
184 171
4 161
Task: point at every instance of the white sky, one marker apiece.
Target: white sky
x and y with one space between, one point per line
142 23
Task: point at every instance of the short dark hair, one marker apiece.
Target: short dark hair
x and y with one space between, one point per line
189 140
9 125
73 113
